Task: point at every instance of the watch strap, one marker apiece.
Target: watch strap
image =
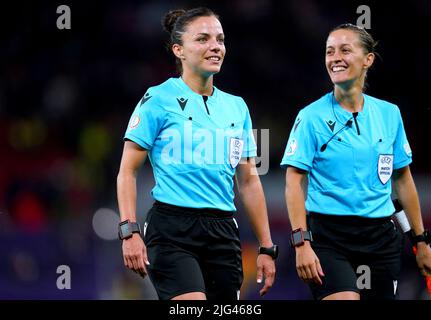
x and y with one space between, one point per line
425 237
307 235
135 227
298 236
271 251
132 227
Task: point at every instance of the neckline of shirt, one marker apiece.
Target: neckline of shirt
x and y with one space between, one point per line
339 110
189 90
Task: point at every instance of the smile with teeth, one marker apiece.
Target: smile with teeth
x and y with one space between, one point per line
213 58
338 68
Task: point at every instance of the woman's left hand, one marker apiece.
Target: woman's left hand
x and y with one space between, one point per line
266 269
423 258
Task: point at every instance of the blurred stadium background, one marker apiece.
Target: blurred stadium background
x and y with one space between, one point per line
66 97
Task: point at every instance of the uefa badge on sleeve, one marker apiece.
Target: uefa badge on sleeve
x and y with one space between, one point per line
235 151
134 122
385 167
293 145
407 149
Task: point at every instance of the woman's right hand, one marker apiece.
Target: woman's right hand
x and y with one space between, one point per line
135 254
307 264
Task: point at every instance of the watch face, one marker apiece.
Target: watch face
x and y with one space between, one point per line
297 238
127 228
124 231
124 228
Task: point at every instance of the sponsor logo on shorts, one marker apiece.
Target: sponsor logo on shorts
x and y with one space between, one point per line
145 228
236 223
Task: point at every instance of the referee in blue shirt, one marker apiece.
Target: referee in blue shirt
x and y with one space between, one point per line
196 137
349 145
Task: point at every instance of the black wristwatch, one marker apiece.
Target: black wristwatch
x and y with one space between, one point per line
271 251
126 229
425 237
299 236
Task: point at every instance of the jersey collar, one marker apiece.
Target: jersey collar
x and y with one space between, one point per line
342 113
189 91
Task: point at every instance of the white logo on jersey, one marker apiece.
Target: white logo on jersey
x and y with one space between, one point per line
385 167
235 151
292 147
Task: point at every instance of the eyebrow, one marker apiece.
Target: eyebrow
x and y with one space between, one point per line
343 44
207 34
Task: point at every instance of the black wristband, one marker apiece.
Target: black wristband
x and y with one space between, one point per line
425 237
126 229
271 251
299 236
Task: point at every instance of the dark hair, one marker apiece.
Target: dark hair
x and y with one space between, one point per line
176 21
367 41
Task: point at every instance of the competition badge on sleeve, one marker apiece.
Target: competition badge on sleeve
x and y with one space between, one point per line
385 167
134 122
293 145
235 151
407 149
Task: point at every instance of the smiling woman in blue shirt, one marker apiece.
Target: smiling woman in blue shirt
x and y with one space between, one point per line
197 138
348 146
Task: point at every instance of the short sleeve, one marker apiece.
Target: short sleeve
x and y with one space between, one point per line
146 122
402 151
301 146
250 148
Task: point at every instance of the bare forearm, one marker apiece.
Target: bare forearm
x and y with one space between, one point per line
295 201
253 199
408 196
126 193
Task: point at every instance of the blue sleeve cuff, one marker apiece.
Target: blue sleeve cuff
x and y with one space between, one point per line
295 164
138 141
249 154
402 164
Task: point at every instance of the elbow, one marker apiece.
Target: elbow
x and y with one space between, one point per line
292 190
242 190
120 179
288 193
124 175
249 186
291 185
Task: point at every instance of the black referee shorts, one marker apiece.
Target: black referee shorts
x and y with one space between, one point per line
356 254
193 250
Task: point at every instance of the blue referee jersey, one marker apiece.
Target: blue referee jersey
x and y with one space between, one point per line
194 143
350 157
